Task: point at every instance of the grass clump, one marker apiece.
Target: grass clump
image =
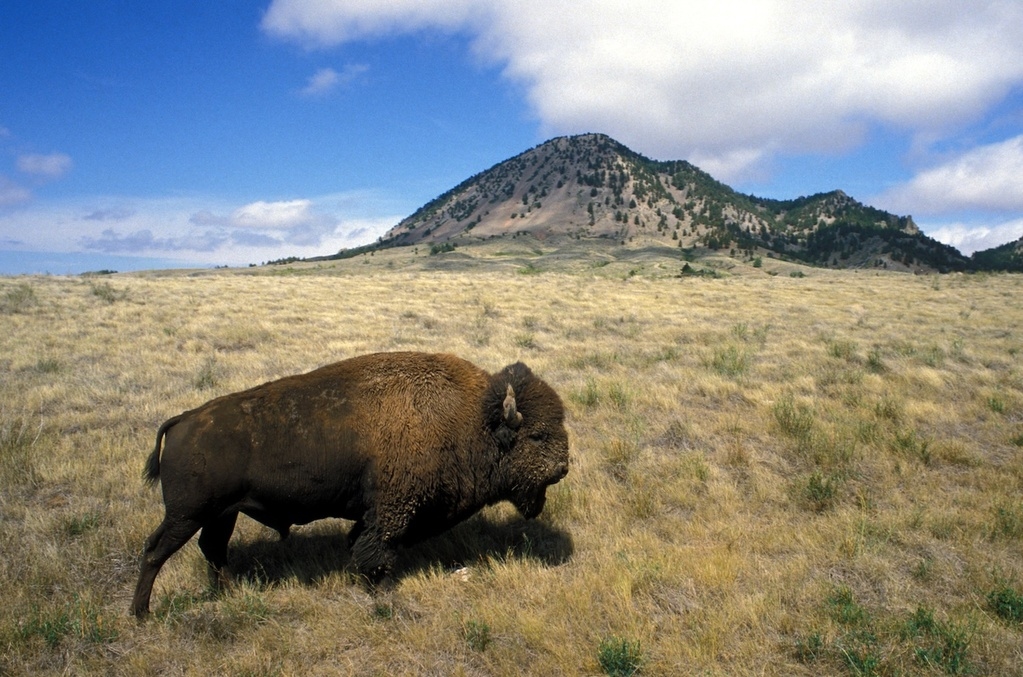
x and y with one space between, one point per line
795 420
1008 521
18 298
1007 603
17 438
619 657
107 292
526 340
79 525
869 645
477 635
78 619
946 647
208 376
820 491
731 361
589 396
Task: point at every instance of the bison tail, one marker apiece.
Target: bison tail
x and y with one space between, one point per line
151 473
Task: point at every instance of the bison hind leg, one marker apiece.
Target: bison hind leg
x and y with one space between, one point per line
161 544
213 542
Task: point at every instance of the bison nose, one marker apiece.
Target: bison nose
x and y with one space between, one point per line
561 471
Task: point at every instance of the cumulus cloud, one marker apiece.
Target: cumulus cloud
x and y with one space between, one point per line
275 215
731 82
51 166
290 221
985 178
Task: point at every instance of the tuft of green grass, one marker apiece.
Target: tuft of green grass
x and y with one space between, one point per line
842 349
588 396
1008 521
996 404
821 491
920 622
76 526
908 443
77 619
948 646
889 408
48 365
1006 603
477 635
107 292
172 607
844 609
618 395
526 340
619 657
208 376
795 420
811 648
731 361
875 360
529 269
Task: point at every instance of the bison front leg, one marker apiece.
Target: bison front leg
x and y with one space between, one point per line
373 548
213 542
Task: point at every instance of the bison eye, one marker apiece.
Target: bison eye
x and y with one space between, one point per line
538 436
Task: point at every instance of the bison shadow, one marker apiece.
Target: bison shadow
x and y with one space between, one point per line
311 554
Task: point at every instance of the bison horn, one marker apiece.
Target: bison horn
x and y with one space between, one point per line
511 415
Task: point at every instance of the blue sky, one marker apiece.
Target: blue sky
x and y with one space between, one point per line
137 135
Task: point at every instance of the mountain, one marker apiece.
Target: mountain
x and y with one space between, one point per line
591 186
1007 257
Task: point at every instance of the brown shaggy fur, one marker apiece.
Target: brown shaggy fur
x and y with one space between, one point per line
404 444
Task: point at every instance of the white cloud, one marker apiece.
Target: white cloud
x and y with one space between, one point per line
52 166
729 81
12 194
274 215
327 80
969 238
321 82
988 178
200 229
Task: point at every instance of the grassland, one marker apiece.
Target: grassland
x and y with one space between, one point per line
770 474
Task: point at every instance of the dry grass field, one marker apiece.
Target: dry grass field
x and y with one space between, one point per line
771 474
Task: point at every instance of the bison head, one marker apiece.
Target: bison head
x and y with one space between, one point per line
526 418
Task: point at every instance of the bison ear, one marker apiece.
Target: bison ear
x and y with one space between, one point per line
512 418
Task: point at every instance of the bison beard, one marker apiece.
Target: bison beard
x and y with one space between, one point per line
405 444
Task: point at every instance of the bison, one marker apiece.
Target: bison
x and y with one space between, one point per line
405 444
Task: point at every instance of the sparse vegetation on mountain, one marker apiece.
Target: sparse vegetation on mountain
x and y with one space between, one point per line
590 186
1008 257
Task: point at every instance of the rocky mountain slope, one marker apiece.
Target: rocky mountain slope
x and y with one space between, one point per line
591 186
